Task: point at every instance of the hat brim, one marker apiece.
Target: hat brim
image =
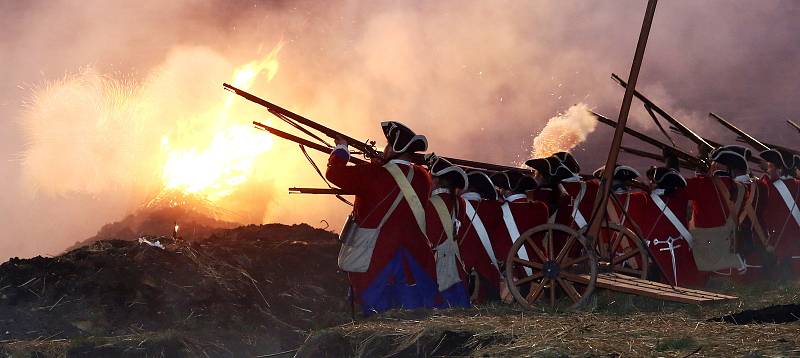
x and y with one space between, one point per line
482 184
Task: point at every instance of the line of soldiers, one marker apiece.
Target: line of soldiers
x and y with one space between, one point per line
438 236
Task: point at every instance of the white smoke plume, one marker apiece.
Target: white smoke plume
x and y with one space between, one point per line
564 131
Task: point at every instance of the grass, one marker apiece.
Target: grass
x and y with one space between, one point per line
618 325
676 344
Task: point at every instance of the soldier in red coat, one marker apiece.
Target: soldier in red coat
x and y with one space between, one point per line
444 217
561 171
388 257
518 215
717 212
778 211
664 220
627 192
483 213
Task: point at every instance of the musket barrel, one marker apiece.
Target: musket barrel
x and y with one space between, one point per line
363 147
747 138
280 111
681 128
318 191
302 141
793 124
656 157
649 140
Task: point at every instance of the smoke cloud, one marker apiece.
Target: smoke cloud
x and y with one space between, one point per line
91 89
564 131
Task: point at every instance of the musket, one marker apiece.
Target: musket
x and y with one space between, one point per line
744 136
748 139
302 141
367 148
793 124
656 157
691 159
682 129
319 191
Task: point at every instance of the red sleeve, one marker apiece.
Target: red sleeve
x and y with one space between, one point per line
356 179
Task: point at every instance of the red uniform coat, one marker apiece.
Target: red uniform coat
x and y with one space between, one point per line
586 204
527 215
781 228
375 190
710 210
657 231
473 253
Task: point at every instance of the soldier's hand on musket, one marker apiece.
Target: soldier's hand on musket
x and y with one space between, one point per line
339 140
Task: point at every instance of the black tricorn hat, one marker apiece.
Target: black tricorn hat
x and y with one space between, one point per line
732 156
550 166
402 139
569 161
480 183
506 179
442 168
666 178
780 158
524 184
621 173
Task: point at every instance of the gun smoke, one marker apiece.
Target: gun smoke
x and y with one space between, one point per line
564 131
92 89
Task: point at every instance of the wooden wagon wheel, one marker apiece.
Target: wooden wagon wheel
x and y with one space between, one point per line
620 250
560 263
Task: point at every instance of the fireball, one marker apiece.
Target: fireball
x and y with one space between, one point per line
213 170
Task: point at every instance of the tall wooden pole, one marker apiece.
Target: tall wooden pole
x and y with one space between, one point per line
598 214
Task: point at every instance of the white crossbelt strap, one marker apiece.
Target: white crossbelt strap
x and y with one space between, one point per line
788 199
444 216
576 212
513 231
481 231
410 195
672 218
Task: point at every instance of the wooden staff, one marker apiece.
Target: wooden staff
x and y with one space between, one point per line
599 211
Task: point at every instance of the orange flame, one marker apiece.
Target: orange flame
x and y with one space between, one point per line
214 170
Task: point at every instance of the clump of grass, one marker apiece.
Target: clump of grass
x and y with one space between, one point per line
676 344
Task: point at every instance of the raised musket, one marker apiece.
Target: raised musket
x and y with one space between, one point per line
302 141
793 124
657 157
689 158
744 136
319 191
677 125
367 148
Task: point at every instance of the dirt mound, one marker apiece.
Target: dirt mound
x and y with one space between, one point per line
158 221
246 291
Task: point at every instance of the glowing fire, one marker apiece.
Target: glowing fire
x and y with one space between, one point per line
214 170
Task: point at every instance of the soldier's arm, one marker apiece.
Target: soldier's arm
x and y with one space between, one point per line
355 178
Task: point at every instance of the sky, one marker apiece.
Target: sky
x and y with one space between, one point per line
90 89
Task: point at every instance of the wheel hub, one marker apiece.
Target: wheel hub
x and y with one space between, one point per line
551 269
